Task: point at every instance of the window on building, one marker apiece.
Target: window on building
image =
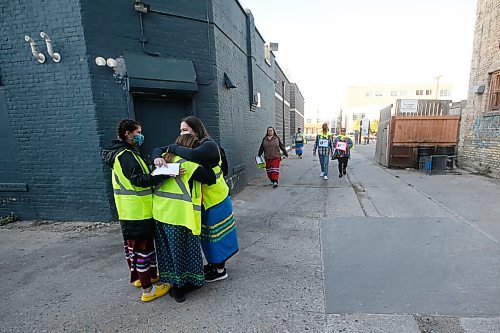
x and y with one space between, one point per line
368 93
402 93
394 92
318 121
308 120
495 92
419 92
428 92
378 93
444 93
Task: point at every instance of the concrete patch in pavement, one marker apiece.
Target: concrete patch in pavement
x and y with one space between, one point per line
434 266
354 323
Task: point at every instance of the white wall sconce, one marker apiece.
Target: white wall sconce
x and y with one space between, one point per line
39 56
55 56
100 61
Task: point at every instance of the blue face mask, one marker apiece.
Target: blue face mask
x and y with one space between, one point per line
138 139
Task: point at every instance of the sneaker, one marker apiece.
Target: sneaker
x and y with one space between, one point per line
138 284
340 175
345 172
322 174
214 275
275 184
179 295
325 177
156 292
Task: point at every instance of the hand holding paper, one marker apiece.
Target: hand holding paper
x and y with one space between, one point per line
170 169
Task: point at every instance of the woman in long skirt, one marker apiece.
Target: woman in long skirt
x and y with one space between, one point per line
271 146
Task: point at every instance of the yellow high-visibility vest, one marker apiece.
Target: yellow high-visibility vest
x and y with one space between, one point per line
216 193
132 202
174 204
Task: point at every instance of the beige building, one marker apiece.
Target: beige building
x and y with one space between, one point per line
314 121
367 101
479 143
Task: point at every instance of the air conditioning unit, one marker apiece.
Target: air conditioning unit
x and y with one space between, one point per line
256 99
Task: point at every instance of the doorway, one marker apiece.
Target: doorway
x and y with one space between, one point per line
160 119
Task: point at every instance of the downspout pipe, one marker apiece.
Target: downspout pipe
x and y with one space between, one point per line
55 56
39 56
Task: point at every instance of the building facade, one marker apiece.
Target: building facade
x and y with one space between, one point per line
479 143
164 61
296 109
367 101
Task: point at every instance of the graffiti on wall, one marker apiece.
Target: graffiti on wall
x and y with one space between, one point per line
487 131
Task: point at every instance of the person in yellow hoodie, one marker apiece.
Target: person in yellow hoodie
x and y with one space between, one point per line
177 211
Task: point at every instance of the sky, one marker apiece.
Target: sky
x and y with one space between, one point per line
327 45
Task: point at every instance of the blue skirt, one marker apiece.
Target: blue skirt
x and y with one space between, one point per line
298 148
218 232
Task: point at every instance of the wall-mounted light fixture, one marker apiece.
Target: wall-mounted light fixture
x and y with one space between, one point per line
110 62
55 56
39 56
100 61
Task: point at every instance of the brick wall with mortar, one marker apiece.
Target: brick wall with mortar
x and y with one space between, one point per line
51 115
479 142
67 112
296 109
282 101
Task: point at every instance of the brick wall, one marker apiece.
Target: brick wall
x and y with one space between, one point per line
51 115
58 116
479 144
282 102
296 109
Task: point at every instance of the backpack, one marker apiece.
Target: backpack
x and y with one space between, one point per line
299 137
224 166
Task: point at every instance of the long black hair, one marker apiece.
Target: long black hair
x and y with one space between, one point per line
126 125
274 131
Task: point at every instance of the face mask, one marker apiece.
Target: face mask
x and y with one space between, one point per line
138 139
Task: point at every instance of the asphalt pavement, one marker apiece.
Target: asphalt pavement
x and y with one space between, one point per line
379 250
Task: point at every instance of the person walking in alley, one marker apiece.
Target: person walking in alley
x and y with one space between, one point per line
342 145
132 187
177 210
323 145
218 237
271 146
299 143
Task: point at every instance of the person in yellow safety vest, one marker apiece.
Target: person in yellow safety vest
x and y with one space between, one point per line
132 188
323 145
218 237
342 154
177 211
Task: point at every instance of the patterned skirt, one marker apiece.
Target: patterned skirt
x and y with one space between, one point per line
298 148
141 260
273 169
180 261
218 232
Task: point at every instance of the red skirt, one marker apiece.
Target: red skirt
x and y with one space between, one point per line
273 169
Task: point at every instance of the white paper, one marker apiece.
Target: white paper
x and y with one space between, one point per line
259 160
341 145
171 169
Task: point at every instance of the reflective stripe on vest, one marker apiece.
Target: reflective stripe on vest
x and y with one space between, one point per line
132 202
175 208
215 194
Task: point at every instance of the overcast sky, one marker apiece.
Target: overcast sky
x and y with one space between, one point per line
327 45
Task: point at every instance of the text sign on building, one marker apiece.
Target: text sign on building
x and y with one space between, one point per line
408 106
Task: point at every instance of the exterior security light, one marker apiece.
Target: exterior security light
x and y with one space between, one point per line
100 61
111 62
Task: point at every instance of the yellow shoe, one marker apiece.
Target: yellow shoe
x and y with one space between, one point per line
137 283
157 291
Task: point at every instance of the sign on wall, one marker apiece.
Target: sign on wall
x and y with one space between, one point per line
408 106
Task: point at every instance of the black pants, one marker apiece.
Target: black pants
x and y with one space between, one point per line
343 164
